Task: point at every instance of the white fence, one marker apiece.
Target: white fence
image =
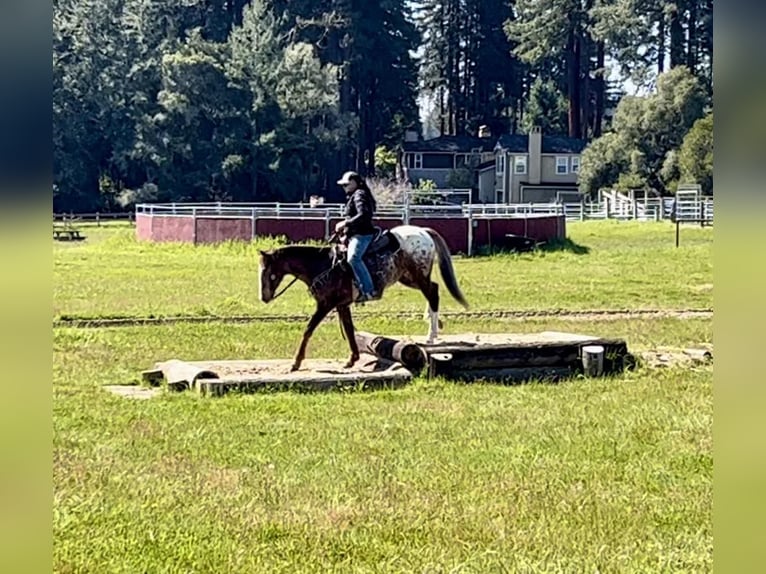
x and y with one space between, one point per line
684 209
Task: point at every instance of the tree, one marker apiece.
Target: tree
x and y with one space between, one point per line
467 65
645 131
602 162
546 107
557 34
695 158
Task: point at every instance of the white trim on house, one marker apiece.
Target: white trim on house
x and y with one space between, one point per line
417 162
500 164
562 161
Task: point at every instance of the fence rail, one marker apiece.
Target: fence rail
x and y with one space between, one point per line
684 209
96 217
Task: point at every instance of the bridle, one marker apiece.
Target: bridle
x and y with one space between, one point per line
285 288
312 287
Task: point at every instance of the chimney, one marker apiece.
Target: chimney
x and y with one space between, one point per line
535 149
484 131
410 136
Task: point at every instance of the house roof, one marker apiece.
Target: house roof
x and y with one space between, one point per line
551 144
450 144
489 164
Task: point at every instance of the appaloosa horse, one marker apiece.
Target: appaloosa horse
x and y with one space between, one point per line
404 253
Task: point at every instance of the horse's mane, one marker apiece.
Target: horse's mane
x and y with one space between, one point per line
303 251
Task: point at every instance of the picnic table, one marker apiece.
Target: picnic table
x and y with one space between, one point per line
67 233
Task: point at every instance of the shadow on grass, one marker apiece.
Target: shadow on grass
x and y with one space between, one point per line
564 245
520 244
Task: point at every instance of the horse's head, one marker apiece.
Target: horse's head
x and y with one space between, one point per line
271 274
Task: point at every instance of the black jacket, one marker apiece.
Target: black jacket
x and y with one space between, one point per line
359 211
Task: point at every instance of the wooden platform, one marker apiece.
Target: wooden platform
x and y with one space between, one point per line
392 361
219 377
506 357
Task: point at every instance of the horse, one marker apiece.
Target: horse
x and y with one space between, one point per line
404 254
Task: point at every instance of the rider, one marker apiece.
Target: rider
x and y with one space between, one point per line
360 208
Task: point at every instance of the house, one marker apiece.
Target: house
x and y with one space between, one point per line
533 168
435 158
514 168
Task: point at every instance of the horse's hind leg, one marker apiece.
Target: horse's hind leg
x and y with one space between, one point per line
344 315
431 292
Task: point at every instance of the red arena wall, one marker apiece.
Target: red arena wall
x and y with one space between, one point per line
213 229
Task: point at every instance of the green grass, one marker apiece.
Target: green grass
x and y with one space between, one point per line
629 265
608 475
612 474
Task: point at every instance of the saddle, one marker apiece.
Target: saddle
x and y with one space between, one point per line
382 247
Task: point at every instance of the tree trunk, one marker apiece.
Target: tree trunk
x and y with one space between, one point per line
677 56
585 62
600 90
661 42
573 82
691 53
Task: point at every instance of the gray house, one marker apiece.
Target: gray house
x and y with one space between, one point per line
434 159
514 168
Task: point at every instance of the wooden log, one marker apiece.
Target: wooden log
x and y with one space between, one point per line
593 360
699 355
444 365
180 375
304 383
152 377
440 365
514 374
553 354
496 357
408 353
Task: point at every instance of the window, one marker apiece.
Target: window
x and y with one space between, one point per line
520 164
575 164
418 161
500 164
562 165
437 161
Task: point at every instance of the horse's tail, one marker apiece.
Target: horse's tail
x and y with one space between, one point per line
445 267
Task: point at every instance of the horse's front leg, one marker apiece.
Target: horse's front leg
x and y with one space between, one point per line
319 314
344 315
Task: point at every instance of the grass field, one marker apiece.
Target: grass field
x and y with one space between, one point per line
609 475
628 265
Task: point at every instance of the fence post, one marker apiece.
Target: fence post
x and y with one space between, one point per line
406 216
327 223
470 233
253 218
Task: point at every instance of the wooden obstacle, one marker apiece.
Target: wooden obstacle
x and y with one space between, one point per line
391 362
219 377
549 355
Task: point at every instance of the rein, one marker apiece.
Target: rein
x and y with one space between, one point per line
285 288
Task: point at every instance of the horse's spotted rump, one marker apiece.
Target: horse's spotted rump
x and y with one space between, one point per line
414 259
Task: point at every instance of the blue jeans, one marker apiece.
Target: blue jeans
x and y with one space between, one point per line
357 245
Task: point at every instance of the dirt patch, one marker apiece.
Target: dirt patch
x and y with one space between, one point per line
132 391
663 357
564 314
